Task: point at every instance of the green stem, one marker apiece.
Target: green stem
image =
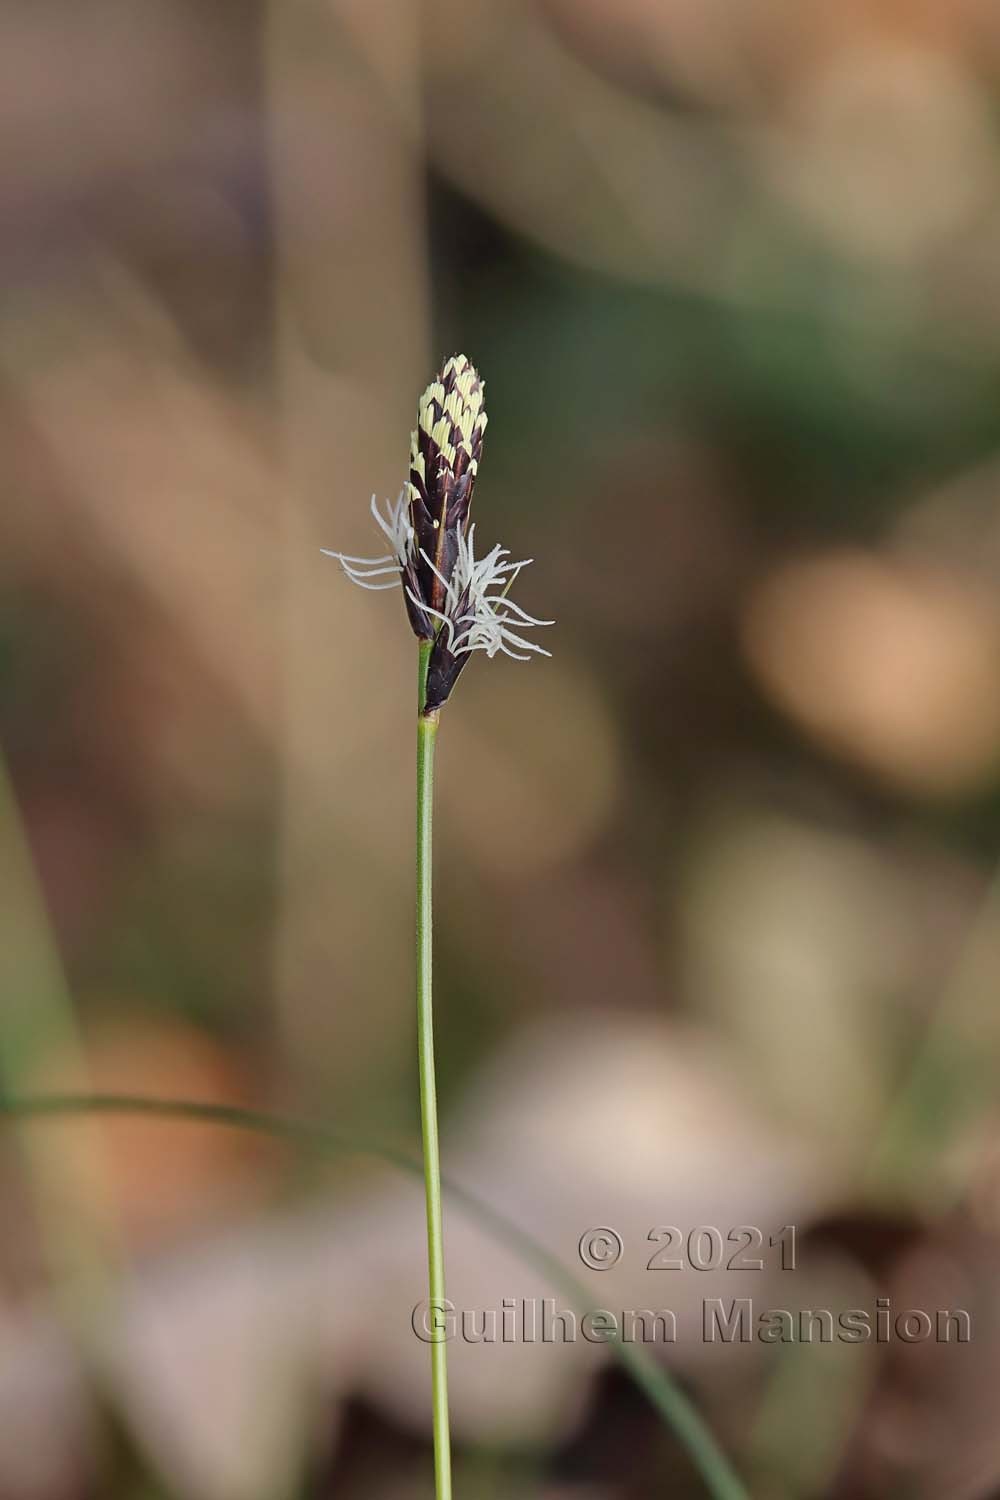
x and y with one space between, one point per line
426 735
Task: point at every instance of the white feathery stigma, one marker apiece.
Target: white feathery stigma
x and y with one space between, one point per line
490 621
395 526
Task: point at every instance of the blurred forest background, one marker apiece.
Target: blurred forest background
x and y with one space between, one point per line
717 933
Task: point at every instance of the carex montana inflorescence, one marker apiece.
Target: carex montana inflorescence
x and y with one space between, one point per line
457 601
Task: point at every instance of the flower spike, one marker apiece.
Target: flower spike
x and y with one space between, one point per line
458 602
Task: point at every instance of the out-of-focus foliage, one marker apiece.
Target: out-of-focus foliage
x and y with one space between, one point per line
732 275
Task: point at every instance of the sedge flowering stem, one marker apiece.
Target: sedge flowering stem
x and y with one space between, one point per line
427 724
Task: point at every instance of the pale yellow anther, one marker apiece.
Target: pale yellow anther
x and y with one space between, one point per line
451 420
454 406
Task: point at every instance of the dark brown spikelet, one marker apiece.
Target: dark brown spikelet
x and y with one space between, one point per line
445 449
445 665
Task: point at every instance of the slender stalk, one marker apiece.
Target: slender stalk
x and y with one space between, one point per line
426 736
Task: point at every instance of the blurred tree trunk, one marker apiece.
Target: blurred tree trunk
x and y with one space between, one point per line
343 83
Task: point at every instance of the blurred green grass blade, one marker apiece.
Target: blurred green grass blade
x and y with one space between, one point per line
951 1078
37 1027
663 1393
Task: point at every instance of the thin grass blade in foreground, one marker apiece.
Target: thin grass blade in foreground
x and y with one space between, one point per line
75 1219
674 1407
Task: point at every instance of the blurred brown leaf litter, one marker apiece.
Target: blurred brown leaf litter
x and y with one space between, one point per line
717 938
